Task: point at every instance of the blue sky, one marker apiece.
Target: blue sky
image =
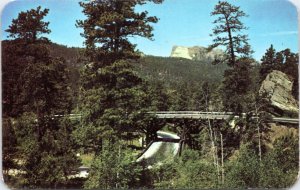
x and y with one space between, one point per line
182 22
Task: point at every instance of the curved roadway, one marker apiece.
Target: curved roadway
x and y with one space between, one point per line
159 150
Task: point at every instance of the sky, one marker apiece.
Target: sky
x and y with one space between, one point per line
182 22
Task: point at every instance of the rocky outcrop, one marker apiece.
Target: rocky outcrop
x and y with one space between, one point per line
279 87
196 53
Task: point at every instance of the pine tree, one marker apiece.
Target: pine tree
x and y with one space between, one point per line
236 86
9 148
13 63
158 97
29 25
268 62
285 61
113 96
289 65
108 26
45 146
228 32
114 168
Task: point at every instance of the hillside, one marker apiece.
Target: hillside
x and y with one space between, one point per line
171 70
180 78
71 54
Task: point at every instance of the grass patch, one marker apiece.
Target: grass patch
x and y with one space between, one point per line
86 159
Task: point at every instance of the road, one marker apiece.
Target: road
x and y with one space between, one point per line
159 151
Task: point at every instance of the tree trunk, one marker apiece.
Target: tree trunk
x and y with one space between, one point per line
210 132
230 43
217 161
258 131
222 158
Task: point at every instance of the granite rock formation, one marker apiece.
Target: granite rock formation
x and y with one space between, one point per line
196 53
279 87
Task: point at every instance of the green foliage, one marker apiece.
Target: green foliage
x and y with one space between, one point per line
236 85
13 64
289 63
272 176
113 106
286 152
285 61
158 97
278 168
108 26
195 173
188 171
45 149
243 172
9 147
181 80
228 32
281 165
113 96
177 71
114 167
268 62
229 22
29 25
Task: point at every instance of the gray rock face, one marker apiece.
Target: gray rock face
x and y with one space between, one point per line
279 87
196 53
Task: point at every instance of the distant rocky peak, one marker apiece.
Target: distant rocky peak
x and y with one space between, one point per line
196 53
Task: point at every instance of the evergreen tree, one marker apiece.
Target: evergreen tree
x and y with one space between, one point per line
44 143
243 172
29 25
158 97
114 168
189 171
277 169
108 26
13 63
112 94
236 85
289 65
285 61
228 32
114 98
268 62
9 148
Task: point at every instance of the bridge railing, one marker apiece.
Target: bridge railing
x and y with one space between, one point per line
191 112
199 115
214 115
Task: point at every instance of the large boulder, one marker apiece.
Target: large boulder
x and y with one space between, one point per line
197 53
279 87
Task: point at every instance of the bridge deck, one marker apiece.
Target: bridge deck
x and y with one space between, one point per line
200 115
211 115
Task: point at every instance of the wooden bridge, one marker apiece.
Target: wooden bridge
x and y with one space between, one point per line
213 115
202 115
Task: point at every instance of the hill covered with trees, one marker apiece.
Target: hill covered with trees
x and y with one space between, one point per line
168 70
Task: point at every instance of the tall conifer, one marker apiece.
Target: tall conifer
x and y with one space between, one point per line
45 147
112 94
